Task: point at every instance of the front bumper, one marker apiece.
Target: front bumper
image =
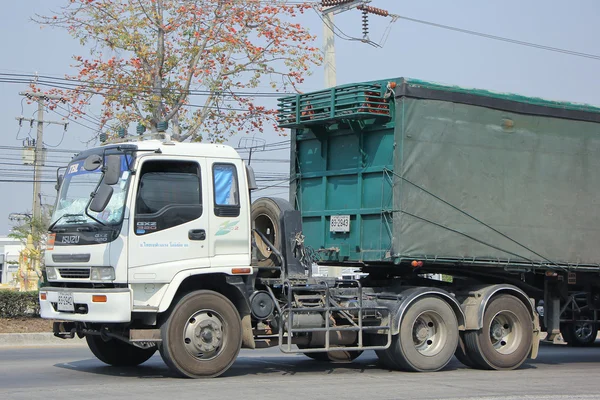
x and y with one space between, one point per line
116 307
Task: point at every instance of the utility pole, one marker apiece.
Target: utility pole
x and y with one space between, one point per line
329 8
38 160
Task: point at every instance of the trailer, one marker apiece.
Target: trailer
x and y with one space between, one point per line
499 188
401 181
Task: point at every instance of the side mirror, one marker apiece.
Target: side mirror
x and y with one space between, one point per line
101 198
92 162
112 171
251 178
59 181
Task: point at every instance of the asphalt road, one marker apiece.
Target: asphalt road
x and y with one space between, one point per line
73 373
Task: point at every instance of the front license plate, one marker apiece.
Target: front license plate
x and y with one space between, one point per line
65 302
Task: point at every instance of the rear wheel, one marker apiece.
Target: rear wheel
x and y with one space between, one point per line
506 338
118 353
462 354
427 339
202 336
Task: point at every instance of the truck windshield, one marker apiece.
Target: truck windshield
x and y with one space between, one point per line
75 191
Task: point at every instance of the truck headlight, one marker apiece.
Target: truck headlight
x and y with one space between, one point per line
51 273
102 274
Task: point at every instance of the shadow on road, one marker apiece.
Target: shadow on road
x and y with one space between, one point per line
243 366
249 364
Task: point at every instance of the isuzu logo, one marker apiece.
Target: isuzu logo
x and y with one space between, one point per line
70 239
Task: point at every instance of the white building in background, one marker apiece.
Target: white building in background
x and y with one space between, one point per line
9 258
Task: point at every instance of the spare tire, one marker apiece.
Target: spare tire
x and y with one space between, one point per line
266 213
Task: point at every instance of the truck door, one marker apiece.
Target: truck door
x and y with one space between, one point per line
169 232
229 222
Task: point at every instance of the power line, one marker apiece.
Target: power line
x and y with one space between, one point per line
72 84
503 39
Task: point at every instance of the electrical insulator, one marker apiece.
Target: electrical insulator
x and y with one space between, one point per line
140 129
374 10
365 23
162 126
331 3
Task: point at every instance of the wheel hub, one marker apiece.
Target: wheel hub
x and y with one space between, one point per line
429 333
203 334
505 332
498 332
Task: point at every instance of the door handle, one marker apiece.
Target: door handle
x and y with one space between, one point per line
197 234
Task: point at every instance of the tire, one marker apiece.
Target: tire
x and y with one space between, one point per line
506 338
427 340
579 334
462 355
118 353
266 213
202 335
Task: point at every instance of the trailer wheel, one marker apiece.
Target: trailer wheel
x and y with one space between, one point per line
202 336
462 354
427 339
506 338
579 334
118 353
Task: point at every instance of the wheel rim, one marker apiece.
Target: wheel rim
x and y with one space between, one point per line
583 330
429 333
203 335
505 332
266 226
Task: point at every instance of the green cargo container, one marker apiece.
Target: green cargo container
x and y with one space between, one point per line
429 172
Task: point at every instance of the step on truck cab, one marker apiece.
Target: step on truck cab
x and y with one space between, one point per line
453 207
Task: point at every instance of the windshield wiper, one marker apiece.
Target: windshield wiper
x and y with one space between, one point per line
61 217
87 228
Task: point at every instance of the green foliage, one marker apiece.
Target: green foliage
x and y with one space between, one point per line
24 228
19 304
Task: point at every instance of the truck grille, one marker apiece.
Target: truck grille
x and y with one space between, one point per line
74 273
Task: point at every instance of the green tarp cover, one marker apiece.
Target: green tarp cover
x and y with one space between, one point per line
535 179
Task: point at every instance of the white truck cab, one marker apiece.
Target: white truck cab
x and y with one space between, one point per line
174 210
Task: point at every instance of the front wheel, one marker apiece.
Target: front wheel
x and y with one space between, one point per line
118 353
505 340
427 339
202 336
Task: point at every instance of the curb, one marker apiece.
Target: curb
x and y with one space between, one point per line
36 339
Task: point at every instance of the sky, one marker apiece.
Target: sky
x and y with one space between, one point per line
413 50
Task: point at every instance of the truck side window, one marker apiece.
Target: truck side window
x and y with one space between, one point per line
169 194
225 183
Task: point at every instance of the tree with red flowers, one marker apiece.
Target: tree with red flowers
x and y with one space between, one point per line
191 63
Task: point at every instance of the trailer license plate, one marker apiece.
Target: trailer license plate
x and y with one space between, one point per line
65 302
339 223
